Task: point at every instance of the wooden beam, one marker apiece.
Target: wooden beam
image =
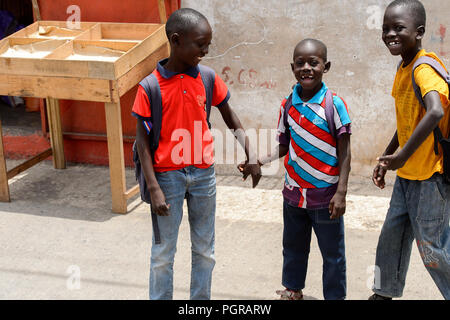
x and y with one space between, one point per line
162 11
29 163
4 187
132 191
116 159
55 129
36 11
141 70
56 87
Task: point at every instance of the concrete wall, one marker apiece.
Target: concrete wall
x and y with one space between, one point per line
252 50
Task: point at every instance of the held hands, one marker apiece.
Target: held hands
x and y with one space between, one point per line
254 169
158 201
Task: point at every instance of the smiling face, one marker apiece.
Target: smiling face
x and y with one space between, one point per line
309 66
401 34
191 46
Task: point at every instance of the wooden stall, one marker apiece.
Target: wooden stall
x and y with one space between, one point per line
98 62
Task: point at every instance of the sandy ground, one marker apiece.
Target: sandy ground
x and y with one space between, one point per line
60 240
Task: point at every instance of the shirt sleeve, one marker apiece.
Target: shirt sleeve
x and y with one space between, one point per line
283 134
221 94
429 80
341 115
141 106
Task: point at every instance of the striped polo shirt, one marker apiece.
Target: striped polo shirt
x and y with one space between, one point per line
312 165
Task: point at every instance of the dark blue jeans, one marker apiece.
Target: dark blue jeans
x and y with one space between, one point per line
298 224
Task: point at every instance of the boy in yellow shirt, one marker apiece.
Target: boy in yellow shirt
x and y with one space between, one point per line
420 203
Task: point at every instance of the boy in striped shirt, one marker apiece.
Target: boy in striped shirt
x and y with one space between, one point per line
317 164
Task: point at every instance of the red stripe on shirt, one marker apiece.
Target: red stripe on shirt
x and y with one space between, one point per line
314 162
290 170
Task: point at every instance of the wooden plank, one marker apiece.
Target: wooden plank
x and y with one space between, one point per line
140 52
132 191
56 137
162 11
4 187
116 158
93 33
56 87
57 68
36 11
29 163
127 31
143 69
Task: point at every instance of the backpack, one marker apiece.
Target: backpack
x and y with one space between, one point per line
438 136
329 112
153 91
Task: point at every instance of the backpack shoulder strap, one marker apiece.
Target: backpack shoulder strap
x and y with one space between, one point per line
329 112
208 77
287 106
153 91
436 66
444 74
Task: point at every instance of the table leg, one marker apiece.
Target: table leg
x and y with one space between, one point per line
4 188
116 157
55 129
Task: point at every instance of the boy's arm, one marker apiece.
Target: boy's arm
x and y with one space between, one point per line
158 200
280 151
378 171
337 203
434 113
232 121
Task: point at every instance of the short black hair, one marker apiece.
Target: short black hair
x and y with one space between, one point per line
183 20
416 8
320 45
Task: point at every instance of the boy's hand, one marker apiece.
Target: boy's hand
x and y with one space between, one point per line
391 162
337 206
251 169
158 201
378 176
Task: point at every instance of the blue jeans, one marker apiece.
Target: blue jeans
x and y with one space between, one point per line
298 224
198 187
418 210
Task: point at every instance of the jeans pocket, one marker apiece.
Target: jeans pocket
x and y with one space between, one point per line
431 206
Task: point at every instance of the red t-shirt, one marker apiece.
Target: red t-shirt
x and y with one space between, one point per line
185 138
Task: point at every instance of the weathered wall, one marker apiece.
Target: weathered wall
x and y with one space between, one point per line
252 49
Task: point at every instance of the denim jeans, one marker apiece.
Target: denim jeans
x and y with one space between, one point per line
418 210
298 224
198 187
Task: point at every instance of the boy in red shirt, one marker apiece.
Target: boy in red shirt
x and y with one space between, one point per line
182 166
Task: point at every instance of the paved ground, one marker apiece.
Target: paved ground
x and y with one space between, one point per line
61 241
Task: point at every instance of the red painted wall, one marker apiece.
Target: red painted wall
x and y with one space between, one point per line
81 117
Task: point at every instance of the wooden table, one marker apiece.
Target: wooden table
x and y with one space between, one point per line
98 62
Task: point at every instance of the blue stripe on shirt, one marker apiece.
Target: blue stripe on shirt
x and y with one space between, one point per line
312 150
341 110
306 176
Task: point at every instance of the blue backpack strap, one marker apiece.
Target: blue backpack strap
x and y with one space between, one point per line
438 136
208 77
153 91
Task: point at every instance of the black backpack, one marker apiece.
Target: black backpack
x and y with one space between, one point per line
438 136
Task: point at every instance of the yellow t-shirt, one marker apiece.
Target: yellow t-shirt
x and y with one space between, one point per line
424 162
